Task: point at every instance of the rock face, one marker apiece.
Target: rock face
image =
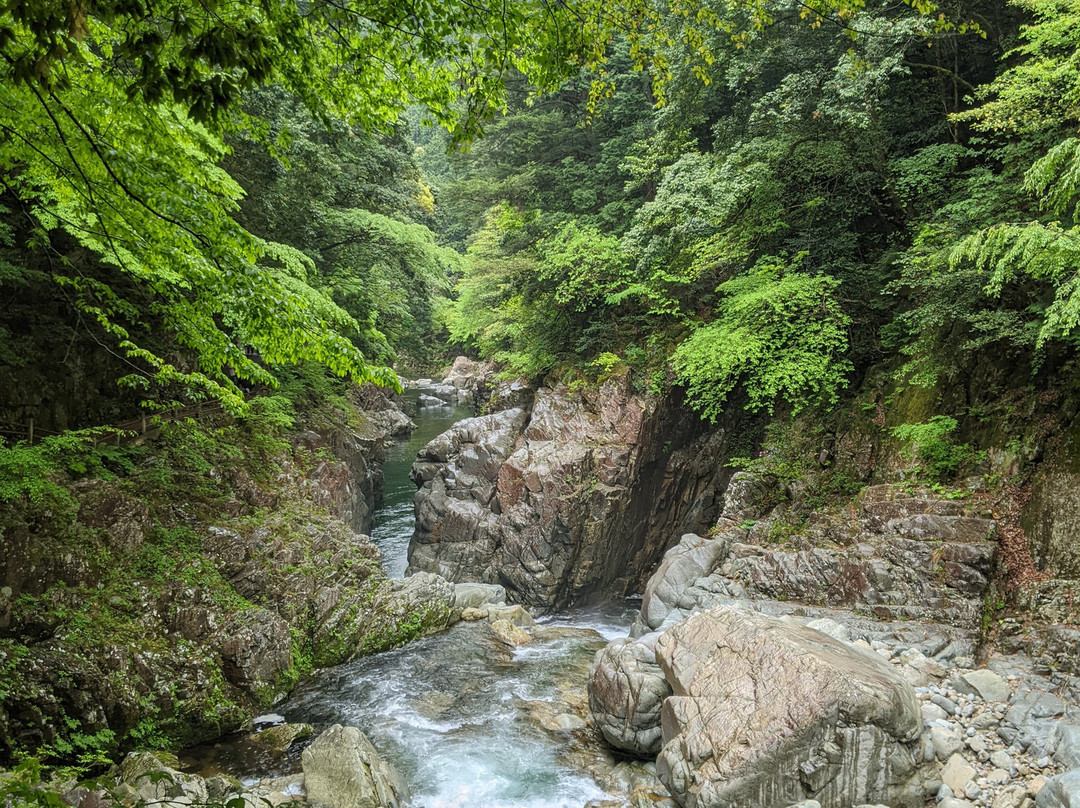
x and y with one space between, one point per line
470 380
729 705
343 770
757 711
183 609
565 493
767 713
902 556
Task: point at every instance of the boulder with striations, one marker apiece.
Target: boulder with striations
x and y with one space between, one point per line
626 691
343 770
766 712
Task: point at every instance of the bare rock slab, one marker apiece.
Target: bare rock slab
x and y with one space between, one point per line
766 712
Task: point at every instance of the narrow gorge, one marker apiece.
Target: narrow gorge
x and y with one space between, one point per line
544 404
792 651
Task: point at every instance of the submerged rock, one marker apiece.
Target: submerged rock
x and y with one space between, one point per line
343 770
280 737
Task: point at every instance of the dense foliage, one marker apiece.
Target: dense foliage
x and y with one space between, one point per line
787 195
874 188
122 190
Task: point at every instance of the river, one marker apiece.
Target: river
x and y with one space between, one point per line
459 714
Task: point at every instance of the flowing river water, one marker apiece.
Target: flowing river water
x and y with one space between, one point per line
459 714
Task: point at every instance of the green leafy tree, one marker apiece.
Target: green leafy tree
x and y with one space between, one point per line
778 332
114 117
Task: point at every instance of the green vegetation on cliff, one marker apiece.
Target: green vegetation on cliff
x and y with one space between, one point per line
782 204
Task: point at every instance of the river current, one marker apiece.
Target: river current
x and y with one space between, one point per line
459 714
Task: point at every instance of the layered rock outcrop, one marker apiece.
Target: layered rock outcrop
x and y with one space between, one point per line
895 554
565 493
725 695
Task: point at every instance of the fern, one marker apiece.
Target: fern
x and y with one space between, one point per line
1043 252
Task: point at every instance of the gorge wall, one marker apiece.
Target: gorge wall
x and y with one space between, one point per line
560 494
162 603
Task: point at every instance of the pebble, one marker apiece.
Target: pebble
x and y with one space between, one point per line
946 743
1001 759
931 711
945 704
943 793
971 734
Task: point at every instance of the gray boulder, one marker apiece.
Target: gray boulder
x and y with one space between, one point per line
1032 716
1060 791
983 683
343 770
475 596
156 782
626 691
766 712
689 560
1066 742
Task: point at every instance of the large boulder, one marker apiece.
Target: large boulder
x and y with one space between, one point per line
343 770
154 781
766 712
626 691
672 589
1060 791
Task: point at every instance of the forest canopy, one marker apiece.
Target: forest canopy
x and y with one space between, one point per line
118 116
766 195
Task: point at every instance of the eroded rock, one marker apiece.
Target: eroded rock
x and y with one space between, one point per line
766 712
627 688
565 494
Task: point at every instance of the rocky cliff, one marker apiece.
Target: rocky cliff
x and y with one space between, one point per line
558 494
163 600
